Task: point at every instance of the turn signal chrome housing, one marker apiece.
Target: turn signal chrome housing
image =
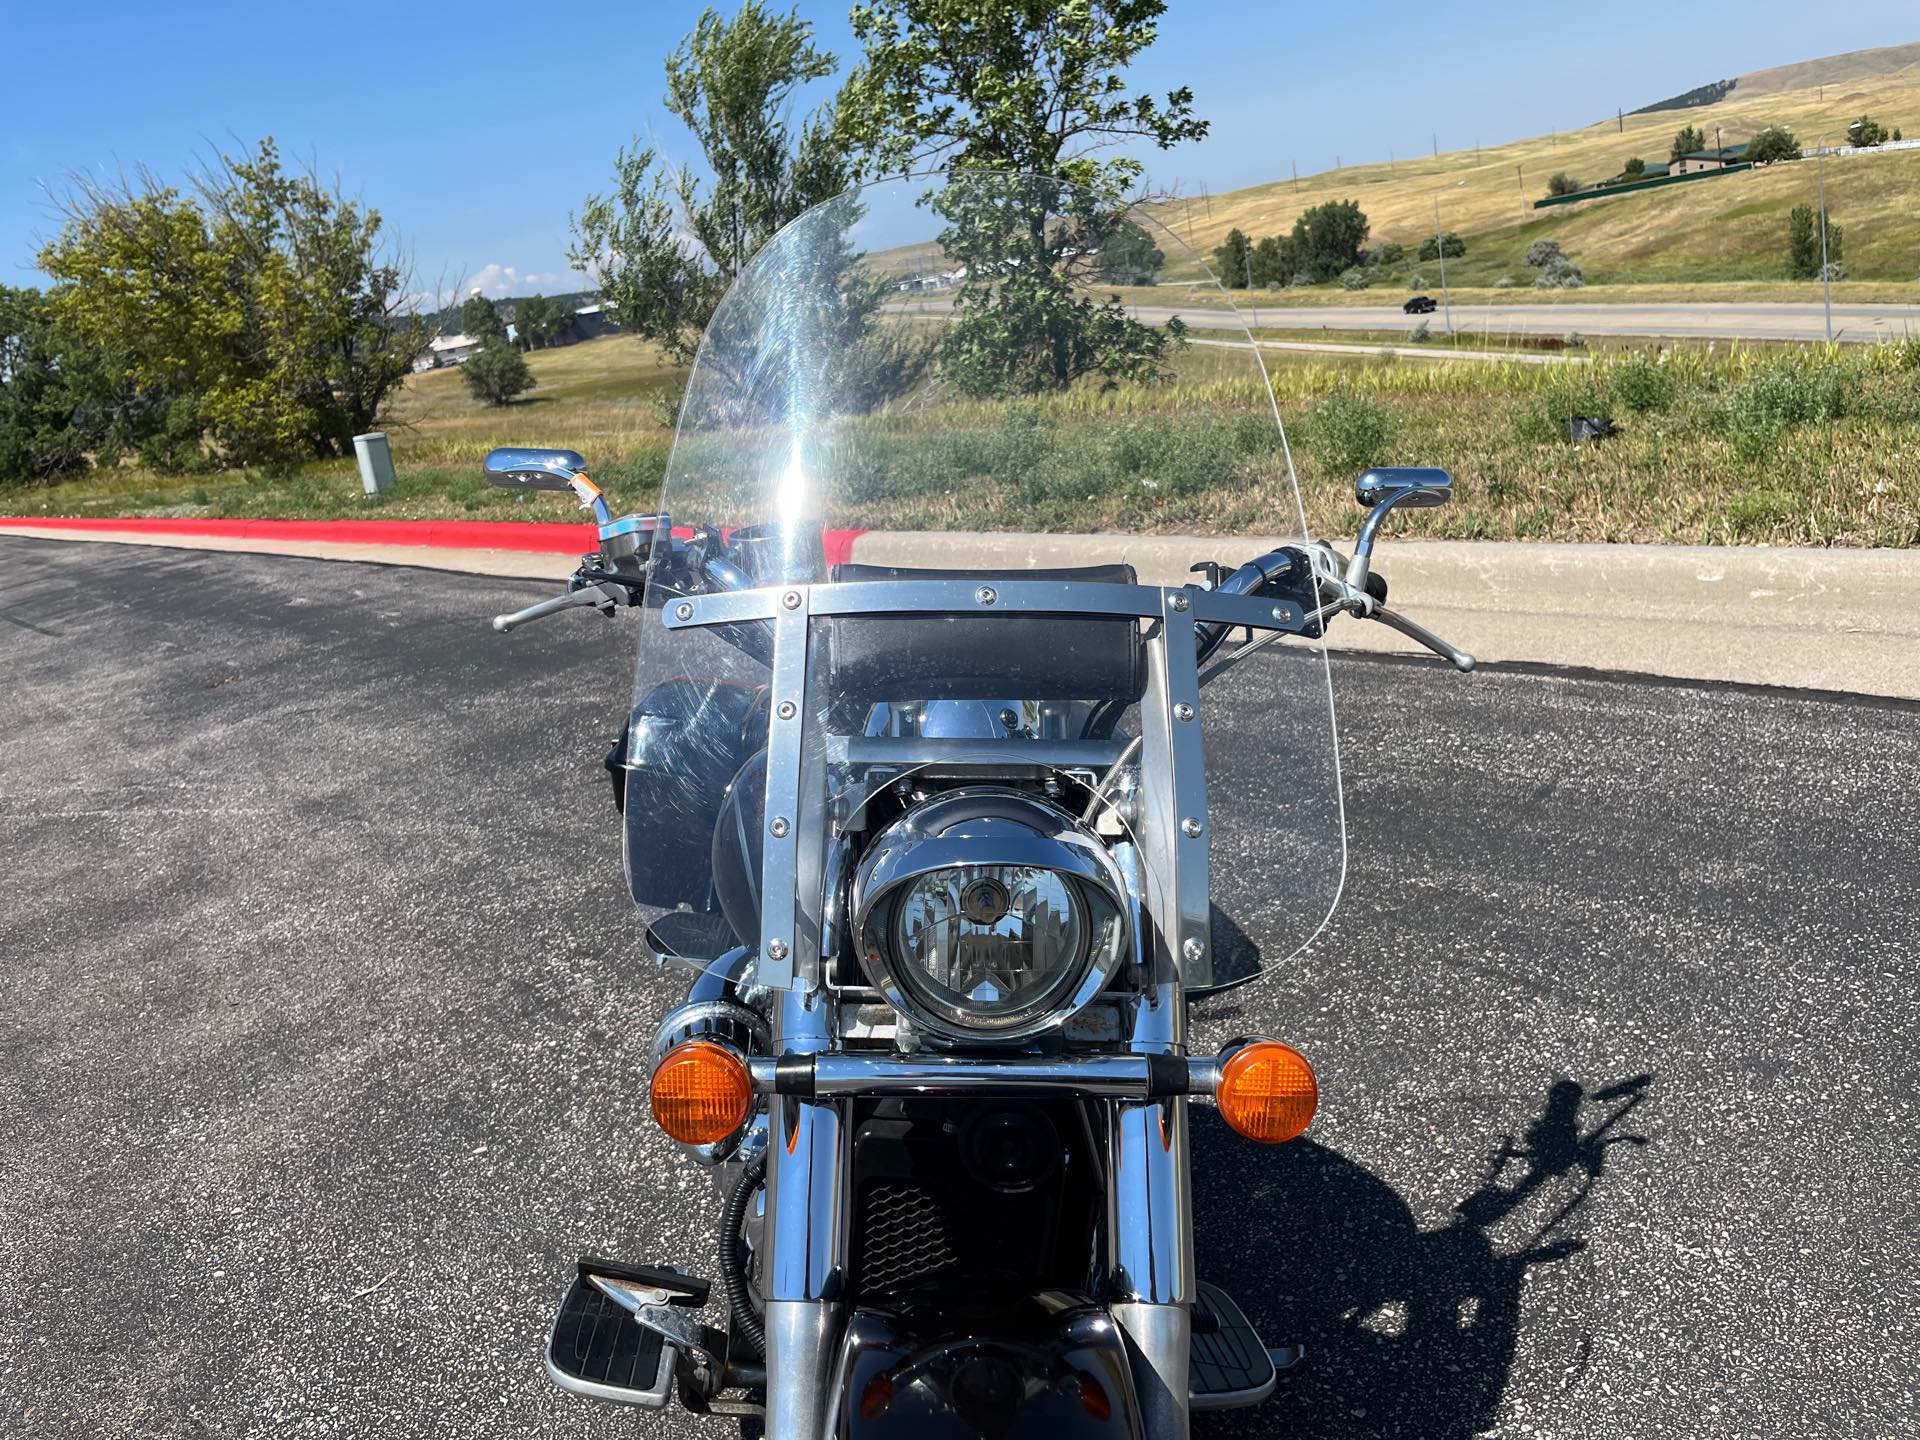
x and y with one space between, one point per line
1267 1092
701 1092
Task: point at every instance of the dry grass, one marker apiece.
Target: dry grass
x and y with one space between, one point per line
1723 229
602 397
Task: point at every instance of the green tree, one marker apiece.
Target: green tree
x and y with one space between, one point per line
1867 131
1686 143
1273 261
480 318
1130 257
1233 260
1775 143
540 322
1389 252
1451 245
1562 184
1037 87
41 434
1803 242
1329 238
497 372
262 313
731 82
1634 169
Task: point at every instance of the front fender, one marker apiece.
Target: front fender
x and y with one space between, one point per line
1054 1369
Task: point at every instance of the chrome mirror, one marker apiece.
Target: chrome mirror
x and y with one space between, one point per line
1419 487
516 468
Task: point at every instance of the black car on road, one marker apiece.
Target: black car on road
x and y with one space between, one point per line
1420 305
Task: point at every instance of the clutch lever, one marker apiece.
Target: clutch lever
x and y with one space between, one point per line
1413 630
604 597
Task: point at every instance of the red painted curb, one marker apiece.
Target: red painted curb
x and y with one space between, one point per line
450 534
545 539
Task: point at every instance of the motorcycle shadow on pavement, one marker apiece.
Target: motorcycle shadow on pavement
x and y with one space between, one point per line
1408 1331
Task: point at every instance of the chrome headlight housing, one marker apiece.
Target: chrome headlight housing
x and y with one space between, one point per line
986 913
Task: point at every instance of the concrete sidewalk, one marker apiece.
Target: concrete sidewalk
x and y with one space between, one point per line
1845 620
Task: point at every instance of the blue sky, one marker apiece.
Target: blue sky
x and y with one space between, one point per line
475 129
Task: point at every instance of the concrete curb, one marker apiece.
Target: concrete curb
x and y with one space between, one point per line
1845 620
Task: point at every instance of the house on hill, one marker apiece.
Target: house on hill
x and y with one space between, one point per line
1698 161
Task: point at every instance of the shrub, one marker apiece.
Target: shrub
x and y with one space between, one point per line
1833 270
1559 274
1562 184
1633 169
1793 392
1391 252
1353 278
497 372
1642 384
1421 333
1543 252
1435 246
1349 432
1505 282
1574 340
1416 281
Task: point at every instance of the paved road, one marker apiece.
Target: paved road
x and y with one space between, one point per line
1709 321
321 1032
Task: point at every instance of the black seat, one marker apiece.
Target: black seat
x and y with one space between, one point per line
986 657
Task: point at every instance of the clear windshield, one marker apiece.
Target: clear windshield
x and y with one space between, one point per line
990 378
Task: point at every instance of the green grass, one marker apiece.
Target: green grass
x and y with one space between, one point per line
1757 444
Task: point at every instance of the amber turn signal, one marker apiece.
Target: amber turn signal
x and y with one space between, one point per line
701 1092
1267 1091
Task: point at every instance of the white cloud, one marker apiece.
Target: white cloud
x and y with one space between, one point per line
499 281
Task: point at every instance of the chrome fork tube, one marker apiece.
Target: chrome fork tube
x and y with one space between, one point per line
807 1223
1150 1228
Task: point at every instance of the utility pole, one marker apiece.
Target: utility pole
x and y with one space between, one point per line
1826 273
1521 176
1296 174
1440 243
1620 116
1436 144
1251 305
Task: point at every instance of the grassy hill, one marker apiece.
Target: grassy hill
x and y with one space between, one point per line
1730 228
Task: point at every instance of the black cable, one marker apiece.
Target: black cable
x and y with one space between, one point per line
742 1315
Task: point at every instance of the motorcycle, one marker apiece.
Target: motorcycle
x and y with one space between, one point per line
914 784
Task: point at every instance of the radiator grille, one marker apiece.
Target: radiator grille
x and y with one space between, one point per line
904 1238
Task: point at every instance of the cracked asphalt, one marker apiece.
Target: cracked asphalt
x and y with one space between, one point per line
323 1030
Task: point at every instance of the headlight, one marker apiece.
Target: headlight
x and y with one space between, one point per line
988 913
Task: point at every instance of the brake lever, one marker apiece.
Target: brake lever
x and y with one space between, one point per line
1413 630
604 598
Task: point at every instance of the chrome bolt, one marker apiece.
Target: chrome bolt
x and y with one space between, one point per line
791 599
779 827
776 950
986 594
1183 712
1178 601
683 611
788 710
1282 614
1191 828
1193 950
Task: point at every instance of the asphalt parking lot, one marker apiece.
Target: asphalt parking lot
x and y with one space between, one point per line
322 1032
